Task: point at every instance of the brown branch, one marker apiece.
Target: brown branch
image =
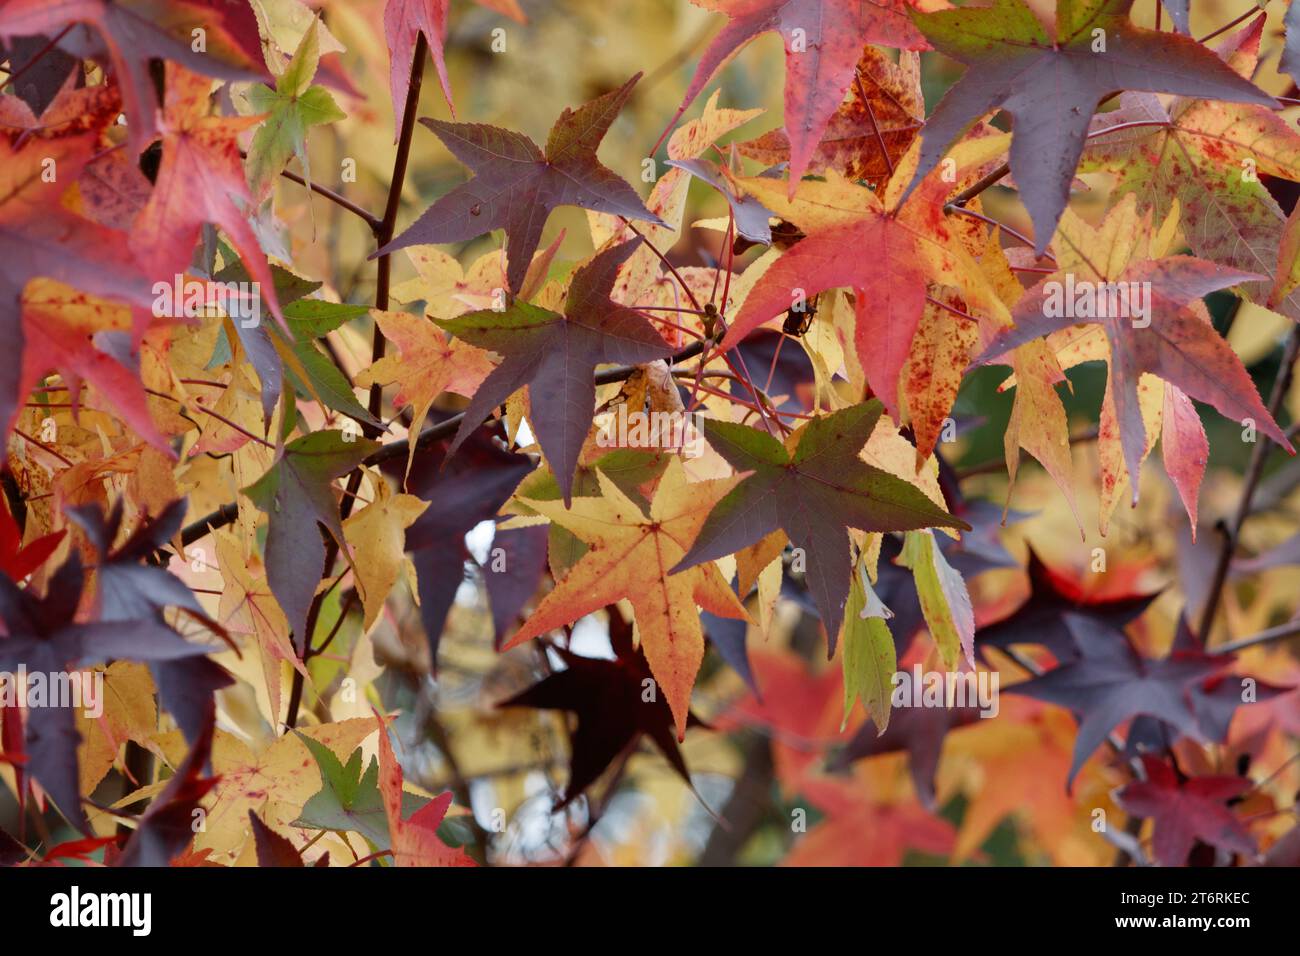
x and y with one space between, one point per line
372 221
383 278
1232 532
996 464
369 218
749 805
970 192
1230 24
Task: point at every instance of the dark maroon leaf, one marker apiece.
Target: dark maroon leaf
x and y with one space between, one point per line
1041 619
1110 684
272 849
41 80
1186 811
464 490
612 714
167 827
516 185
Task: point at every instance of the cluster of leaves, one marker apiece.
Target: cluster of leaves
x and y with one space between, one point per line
257 534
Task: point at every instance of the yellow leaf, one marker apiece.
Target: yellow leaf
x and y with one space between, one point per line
629 557
377 535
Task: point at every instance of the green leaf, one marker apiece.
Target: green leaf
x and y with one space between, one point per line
814 495
312 318
869 656
328 383
349 799
293 107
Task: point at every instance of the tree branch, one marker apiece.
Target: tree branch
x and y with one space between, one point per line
383 278
1232 532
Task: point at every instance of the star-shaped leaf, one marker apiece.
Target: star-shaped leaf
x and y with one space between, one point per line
1142 306
1041 618
348 798
823 40
1051 85
292 107
516 185
258 774
814 491
428 363
556 355
629 556
1187 810
899 252
613 710
1110 683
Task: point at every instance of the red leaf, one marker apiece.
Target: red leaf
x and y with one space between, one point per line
16 560
1186 811
133 39
404 21
823 40
201 180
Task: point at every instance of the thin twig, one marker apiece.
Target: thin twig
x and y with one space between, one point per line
1255 471
369 218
